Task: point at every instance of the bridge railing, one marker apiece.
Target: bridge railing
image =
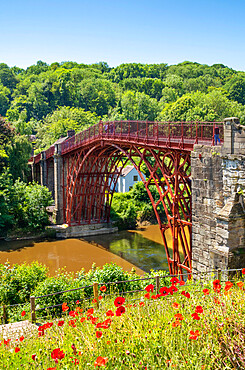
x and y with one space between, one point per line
181 132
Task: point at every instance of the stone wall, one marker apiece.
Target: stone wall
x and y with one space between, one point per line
218 181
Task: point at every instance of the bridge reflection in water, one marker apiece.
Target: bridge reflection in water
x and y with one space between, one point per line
140 248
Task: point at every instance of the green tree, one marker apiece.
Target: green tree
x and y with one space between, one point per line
4 99
28 205
19 151
6 135
139 106
7 78
6 219
97 95
236 88
57 124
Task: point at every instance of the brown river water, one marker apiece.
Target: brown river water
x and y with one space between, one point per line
141 249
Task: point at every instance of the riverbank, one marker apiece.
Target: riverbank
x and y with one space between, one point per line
141 248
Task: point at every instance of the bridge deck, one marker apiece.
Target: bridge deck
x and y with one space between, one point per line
181 135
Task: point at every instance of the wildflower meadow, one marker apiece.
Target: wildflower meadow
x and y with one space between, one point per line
185 325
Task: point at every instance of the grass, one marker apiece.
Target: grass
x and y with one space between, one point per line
204 329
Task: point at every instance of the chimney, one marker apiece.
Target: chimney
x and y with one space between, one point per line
70 133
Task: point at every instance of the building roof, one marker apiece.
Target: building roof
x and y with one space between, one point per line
126 170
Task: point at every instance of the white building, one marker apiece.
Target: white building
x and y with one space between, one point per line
129 176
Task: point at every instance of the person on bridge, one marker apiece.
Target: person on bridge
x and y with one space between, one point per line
216 135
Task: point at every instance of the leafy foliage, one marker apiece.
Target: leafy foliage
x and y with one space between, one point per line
134 206
22 205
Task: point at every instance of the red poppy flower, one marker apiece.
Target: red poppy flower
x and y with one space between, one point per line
72 323
94 320
61 323
21 338
23 313
104 325
174 280
195 316
178 316
57 354
243 271
101 361
119 301
181 282
154 296
83 319
206 291
120 310
176 323
51 368
98 334
216 301
109 313
175 305
216 285
90 311
141 303
6 341
185 294
47 325
228 285
194 334
149 288
199 309
100 297
73 314
65 307
34 357
17 349
240 284
147 295
103 289
164 291
77 302
172 289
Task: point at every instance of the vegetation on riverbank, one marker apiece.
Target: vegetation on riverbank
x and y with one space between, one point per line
184 326
19 282
134 207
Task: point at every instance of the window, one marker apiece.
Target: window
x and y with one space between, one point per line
136 178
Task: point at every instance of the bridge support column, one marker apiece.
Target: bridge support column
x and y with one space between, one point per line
43 169
218 213
58 185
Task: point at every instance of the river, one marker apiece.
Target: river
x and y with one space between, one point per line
141 249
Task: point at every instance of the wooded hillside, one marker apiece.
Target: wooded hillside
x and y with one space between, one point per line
47 100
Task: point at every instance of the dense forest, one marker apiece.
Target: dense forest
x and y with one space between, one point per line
40 103
47 100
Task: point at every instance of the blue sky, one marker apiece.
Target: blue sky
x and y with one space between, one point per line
123 31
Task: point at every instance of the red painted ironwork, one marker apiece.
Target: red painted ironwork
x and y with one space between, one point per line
50 152
94 159
172 134
37 158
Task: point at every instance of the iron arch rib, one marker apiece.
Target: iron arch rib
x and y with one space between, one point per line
91 184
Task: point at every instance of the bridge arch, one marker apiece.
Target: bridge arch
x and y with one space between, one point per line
85 176
92 176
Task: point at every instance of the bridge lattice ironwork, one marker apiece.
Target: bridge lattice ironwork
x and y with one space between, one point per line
93 161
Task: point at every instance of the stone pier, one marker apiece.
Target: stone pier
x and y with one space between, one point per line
218 213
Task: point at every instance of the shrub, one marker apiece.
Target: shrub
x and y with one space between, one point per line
17 282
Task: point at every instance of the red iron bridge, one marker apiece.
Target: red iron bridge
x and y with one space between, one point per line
82 172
